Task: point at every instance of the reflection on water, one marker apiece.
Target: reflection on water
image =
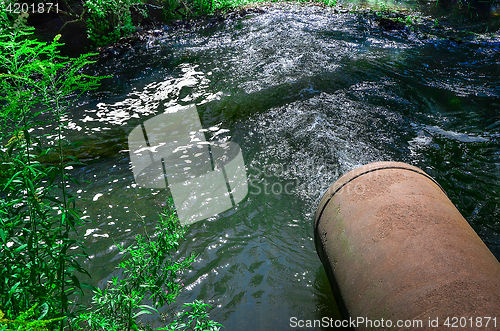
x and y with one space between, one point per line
307 94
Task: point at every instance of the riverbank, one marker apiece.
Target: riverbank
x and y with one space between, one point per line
150 20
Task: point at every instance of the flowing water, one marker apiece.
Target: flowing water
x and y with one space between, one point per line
307 94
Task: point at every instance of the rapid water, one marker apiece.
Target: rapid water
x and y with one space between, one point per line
307 94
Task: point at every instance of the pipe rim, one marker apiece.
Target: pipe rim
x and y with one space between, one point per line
371 167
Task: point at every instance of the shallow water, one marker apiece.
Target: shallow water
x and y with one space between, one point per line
308 95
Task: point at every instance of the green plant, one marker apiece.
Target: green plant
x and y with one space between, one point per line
115 308
408 21
331 3
9 19
383 6
25 321
196 319
110 20
37 214
151 272
190 8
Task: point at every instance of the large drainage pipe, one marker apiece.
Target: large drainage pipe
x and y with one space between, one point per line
398 252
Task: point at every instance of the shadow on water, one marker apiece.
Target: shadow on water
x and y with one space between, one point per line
326 301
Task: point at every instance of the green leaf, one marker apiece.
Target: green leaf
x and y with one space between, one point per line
75 281
20 248
45 310
12 179
142 312
13 288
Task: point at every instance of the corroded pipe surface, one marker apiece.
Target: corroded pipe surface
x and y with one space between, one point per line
396 248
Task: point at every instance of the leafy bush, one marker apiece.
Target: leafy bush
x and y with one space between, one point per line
37 215
151 273
110 19
25 321
9 20
196 319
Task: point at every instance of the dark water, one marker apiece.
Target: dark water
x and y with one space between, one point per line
308 95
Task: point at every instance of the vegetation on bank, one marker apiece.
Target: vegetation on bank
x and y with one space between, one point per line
40 244
106 21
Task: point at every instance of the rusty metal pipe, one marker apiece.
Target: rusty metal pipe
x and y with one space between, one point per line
395 247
